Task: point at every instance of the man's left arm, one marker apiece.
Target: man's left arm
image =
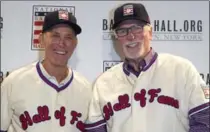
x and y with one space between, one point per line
198 102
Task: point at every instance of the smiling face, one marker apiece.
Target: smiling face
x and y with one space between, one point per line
134 38
59 43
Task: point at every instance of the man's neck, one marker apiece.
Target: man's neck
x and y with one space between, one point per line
135 63
59 72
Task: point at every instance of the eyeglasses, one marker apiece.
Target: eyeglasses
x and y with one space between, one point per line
121 32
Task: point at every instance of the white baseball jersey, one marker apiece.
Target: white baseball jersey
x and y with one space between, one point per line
167 96
33 101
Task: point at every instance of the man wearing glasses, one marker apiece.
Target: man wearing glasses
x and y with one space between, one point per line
148 92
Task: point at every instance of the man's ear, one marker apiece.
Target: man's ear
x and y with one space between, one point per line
76 40
41 39
150 33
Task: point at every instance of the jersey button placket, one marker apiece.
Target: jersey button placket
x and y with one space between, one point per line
137 109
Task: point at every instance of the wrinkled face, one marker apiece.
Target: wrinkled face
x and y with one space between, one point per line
134 38
59 43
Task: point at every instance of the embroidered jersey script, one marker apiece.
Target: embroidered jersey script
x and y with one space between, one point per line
160 99
32 102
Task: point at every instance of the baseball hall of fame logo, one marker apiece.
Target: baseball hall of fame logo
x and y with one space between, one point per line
39 12
109 64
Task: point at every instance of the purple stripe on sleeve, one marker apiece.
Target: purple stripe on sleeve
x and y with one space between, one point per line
2 131
199 119
99 126
198 108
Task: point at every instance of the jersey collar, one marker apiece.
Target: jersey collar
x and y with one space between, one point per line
46 78
144 64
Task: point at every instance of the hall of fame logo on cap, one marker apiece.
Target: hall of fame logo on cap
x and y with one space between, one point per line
128 10
63 15
38 14
108 64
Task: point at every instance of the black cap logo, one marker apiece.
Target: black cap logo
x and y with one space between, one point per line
127 10
63 15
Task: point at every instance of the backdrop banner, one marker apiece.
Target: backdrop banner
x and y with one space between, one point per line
179 27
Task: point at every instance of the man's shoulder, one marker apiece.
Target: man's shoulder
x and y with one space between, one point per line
174 60
112 73
20 72
80 79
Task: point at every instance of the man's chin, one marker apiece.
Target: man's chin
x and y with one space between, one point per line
60 63
133 57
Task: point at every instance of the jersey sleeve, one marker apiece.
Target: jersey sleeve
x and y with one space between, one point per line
198 107
95 122
6 110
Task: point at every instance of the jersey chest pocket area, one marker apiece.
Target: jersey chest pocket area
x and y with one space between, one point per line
33 106
34 112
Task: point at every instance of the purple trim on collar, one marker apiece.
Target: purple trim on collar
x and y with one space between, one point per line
145 64
50 83
154 57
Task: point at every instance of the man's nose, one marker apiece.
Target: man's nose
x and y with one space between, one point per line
130 35
61 43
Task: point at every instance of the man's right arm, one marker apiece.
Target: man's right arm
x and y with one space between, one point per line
6 111
95 122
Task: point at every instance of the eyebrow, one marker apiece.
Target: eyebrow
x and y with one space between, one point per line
140 24
125 27
68 34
